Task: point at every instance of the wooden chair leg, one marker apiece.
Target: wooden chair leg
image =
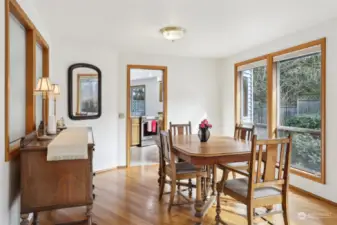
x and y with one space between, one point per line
285 209
161 188
224 177
250 214
160 174
190 188
214 179
179 189
218 203
173 192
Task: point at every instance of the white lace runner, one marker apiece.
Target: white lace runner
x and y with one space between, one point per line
70 144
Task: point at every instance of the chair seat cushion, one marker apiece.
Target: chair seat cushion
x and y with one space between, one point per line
238 167
184 167
233 165
240 186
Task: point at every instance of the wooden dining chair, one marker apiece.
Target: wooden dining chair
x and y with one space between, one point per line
240 133
158 143
258 189
181 129
176 171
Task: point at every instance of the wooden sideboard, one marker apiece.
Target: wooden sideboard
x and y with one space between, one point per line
49 185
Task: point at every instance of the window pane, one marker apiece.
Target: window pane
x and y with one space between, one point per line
245 96
17 79
299 107
254 99
138 96
38 98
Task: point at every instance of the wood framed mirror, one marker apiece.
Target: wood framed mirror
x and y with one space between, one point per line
84 91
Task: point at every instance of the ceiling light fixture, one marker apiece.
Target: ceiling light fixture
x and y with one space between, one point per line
173 33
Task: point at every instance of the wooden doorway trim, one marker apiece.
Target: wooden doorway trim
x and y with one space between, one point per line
128 113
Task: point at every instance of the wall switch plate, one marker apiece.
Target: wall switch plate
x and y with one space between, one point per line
121 115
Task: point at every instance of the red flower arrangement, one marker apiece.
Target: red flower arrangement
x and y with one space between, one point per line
205 125
204 133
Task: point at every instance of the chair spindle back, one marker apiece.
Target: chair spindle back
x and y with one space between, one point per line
181 129
168 155
166 146
244 133
160 148
276 165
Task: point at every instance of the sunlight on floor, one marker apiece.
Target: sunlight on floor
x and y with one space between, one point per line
140 156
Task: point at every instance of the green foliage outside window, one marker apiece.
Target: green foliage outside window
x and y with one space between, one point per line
304 121
306 153
302 77
298 77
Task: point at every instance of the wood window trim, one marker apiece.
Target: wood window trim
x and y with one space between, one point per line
33 37
272 99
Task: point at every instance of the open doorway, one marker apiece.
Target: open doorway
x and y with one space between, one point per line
146 112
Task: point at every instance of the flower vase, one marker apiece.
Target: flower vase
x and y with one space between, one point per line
204 134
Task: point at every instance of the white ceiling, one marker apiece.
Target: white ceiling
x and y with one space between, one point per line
215 28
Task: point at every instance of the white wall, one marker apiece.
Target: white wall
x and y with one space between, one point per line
105 128
191 91
152 103
226 81
9 171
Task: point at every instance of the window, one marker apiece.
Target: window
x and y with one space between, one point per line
299 109
253 86
287 95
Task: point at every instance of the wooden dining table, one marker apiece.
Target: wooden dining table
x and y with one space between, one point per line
215 151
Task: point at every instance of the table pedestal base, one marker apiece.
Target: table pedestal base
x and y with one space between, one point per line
201 208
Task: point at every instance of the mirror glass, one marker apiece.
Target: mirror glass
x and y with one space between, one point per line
17 77
84 91
39 74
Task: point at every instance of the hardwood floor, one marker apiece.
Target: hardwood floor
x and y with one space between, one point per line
141 156
130 197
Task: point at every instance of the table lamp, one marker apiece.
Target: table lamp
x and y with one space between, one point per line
43 88
54 93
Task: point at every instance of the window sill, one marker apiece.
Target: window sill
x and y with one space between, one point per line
307 175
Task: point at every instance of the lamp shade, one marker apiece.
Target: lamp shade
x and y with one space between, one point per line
56 89
43 85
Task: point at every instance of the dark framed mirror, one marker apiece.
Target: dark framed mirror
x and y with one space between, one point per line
84 91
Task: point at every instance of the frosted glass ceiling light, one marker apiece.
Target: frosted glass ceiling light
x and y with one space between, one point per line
173 33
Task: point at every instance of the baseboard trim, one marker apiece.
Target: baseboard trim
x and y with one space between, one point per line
293 188
121 167
105 170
